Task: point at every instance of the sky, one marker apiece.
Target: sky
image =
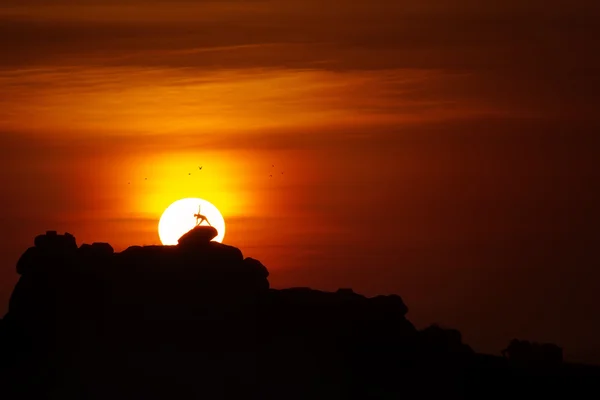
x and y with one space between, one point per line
443 151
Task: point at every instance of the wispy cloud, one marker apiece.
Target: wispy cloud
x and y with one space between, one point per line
208 66
69 102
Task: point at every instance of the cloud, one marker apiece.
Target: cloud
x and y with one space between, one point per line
365 35
75 102
532 59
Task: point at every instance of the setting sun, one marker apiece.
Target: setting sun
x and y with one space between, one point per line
180 217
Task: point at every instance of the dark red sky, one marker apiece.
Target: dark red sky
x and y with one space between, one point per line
446 152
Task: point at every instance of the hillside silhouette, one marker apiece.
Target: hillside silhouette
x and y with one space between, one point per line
199 320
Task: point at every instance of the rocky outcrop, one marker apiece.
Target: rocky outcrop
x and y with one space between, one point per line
96 250
525 352
53 242
200 320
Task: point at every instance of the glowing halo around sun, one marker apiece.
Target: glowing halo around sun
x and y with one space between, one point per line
179 218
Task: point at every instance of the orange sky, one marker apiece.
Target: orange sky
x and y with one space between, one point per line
446 152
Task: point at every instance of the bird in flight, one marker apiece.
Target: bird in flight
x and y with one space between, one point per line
270 176
200 168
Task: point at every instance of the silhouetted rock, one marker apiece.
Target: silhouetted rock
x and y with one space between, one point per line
259 272
28 260
440 342
52 241
199 320
96 250
528 353
198 236
551 353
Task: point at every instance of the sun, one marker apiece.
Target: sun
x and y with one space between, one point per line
179 218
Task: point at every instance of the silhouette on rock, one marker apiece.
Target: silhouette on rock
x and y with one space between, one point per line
199 320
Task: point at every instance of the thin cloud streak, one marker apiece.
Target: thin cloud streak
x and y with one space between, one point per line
71 102
512 52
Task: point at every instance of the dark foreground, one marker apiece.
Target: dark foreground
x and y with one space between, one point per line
200 321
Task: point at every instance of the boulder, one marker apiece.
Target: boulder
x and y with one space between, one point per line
103 248
198 236
96 249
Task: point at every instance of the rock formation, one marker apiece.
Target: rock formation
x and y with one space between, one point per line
200 320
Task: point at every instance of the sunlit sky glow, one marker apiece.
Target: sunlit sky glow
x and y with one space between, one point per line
180 217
